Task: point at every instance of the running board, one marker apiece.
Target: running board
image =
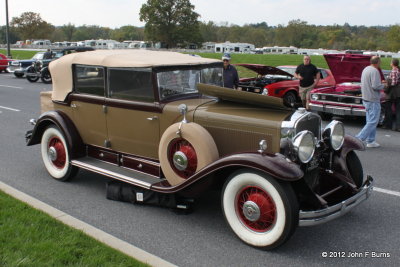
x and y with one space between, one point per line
119 173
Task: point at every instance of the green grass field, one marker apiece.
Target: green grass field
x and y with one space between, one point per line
19 54
266 59
275 60
29 237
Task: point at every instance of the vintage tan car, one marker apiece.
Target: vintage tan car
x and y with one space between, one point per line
161 122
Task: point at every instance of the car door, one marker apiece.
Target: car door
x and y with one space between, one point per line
87 102
132 114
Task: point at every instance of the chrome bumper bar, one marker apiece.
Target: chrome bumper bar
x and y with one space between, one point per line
315 217
338 110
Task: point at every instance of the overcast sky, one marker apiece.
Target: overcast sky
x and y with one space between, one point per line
116 13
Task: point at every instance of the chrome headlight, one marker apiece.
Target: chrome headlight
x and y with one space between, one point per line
265 91
314 96
334 133
304 145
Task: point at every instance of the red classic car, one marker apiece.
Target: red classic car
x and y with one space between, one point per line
279 81
345 98
4 62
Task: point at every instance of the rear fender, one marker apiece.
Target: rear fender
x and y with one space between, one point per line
67 127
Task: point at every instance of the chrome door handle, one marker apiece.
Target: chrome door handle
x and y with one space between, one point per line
152 118
73 105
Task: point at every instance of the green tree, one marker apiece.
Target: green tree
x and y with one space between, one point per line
170 21
127 33
393 36
31 26
68 30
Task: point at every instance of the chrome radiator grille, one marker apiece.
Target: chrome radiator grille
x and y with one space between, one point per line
311 122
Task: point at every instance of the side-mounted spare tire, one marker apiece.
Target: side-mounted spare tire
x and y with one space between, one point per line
183 155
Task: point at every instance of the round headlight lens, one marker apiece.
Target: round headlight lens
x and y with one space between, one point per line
314 96
334 131
304 144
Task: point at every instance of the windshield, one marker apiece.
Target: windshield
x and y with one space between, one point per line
178 82
38 56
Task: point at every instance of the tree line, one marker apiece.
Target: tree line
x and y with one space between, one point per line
176 24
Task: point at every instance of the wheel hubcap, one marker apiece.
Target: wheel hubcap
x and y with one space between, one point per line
52 153
56 152
256 209
251 211
183 158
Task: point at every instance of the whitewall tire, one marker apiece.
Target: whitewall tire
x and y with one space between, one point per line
55 155
261 211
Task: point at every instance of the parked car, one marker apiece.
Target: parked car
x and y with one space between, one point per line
4 62
279 81
345 98
39 68
163 123
18 67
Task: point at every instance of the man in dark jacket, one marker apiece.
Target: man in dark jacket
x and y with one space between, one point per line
48 54
231 77
309 76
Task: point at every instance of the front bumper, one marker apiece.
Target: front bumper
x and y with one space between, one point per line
315 217
338 110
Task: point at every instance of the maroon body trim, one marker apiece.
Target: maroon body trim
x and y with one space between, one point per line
276 166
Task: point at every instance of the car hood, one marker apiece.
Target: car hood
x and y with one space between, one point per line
242 97
265 70
347 67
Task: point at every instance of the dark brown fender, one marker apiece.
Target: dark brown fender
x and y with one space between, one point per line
67 127
351 143
274 165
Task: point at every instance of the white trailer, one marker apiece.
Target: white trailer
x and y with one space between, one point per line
229 47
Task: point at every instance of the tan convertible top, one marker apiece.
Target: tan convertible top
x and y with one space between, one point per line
61 69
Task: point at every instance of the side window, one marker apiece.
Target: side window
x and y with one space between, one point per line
323 74
131 84
89 80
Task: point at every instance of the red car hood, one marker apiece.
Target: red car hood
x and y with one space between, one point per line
265 70
347 67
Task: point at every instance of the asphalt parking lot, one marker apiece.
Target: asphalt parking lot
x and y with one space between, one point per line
367 236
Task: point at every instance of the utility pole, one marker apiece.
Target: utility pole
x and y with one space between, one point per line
7 33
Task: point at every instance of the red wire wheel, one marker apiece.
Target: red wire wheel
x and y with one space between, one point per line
57 153
256 209
182 157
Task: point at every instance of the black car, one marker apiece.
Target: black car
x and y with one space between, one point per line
39 68
18 67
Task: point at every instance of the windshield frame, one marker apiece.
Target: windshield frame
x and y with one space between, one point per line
199 67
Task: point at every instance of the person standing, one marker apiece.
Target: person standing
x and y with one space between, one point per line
393 93
231 77
48 54
309 77
371 85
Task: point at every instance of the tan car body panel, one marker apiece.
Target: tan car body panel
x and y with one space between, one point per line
133 131
240 128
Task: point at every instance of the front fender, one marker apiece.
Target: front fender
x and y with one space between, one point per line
273 165
351 143
67 127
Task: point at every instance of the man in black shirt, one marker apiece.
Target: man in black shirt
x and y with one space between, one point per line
231 77
306 73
